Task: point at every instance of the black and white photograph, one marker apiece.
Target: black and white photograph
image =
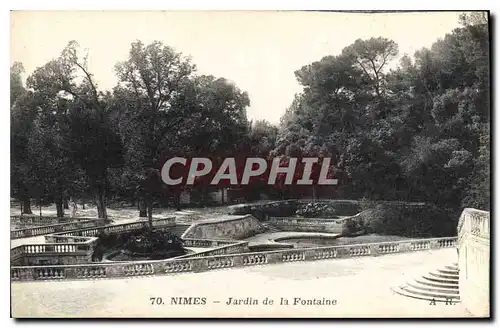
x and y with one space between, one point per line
250 164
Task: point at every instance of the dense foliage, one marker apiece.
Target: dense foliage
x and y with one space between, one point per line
314 210
418 132
154 244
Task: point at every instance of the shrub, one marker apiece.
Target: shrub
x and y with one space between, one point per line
157 241
314 210
410 221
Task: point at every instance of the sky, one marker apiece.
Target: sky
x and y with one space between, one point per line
258 51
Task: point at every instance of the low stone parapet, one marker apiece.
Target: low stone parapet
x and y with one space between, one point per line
73 246
233 247
308 224
116 228
226 227
54 228
214 262
36 220
62 251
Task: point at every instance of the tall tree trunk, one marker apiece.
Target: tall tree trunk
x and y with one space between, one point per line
59 206
150 215
27 206
314 192
40 206
101 204
143 211
65 203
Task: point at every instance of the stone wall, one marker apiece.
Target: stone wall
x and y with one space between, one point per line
474 261
226 227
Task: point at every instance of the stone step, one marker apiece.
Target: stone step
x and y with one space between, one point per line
441 280
436 284
429 294
448 271
444 276
451 267
179 229
419 286
403 292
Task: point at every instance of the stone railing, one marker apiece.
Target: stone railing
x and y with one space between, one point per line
63 250
157 223
35 220
474 260
54 228
308 224
192 242
75 245
270 206
234 247
206 263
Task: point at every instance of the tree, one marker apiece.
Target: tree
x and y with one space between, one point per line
371 56
93 145
23 113
417 132
152 77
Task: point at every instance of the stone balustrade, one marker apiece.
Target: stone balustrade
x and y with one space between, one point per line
231 247
308 224
193 242
474 260
77 245
35 220
117 228
304 221
205 263
54 228
68 250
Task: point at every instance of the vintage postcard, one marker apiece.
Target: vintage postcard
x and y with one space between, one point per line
250 164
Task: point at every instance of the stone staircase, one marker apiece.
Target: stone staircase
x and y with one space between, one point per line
179 229
440 285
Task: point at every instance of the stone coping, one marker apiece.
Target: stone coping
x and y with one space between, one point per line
200 264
